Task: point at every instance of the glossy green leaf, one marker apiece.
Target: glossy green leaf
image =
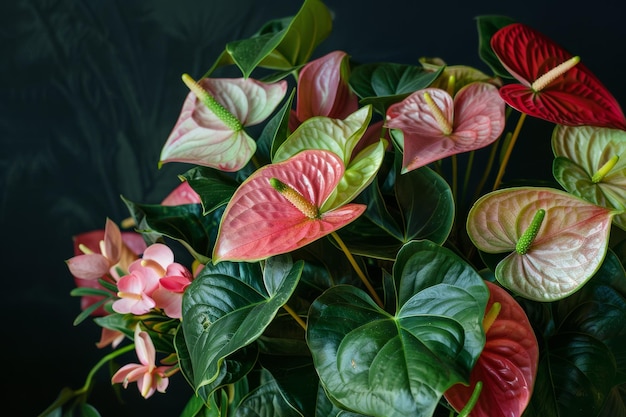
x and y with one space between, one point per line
581 152
426 204
487 26
186 224
223 313
568 248
379 364
286 48
233 369
276 131
269 399
382 84
213 186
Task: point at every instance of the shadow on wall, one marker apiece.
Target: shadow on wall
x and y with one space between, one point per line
89 92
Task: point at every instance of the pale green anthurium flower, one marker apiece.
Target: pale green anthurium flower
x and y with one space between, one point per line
591 163
210 129
340 137
557 241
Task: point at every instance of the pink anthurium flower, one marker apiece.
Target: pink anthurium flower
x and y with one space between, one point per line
210 128
277 209
149 377
556 241
323 90
555 86
169 295
435 125
508 363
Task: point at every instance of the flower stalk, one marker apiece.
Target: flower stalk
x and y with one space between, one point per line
605 169
209 101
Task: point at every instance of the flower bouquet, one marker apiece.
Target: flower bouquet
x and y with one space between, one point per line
354 248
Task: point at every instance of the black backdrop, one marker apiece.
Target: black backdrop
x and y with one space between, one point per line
89 91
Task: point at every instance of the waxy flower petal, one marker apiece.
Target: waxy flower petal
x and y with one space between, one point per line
507 365
200 137
568 248
323 90
183 194
475 116
260 222
581 153
574 98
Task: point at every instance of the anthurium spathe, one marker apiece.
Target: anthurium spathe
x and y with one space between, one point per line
340 137
149 377
277 209
435 125
591 163
507 366
557 241
210 130
323 90
555 86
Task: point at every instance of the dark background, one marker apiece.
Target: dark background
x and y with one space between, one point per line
89 91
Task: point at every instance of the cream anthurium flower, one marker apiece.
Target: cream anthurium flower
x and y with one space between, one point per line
210 129
556 241
590 162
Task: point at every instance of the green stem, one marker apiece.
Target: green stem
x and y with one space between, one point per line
67 394
295 316
472 400
455 173
99 365
509 151
468 171
487 171
358 270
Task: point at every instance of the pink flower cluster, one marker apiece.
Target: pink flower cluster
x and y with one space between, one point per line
154 281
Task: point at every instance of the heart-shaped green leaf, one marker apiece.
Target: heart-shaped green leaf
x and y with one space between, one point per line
582 153
382 84
378 364
568 247
223 313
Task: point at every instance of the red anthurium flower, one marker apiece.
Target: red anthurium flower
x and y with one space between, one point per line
435 125
277 209
323 90
507 365
554 85
210 129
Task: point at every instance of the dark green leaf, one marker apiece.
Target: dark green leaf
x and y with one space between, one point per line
214 187
222 313
382 84
275 131
382 365
487 26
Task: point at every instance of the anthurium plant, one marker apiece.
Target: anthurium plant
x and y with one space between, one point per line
348 252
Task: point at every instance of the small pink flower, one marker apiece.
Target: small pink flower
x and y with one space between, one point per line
110 337
135 290
91 261
155 281
148 376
